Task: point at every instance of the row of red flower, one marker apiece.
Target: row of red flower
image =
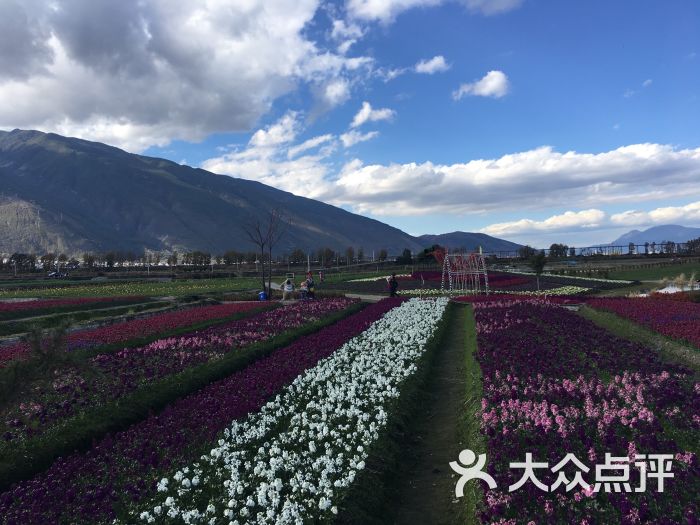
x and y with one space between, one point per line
15 306
670 317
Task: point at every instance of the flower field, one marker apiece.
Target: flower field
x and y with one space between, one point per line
150 289
292 461
124 468
117 374
554 383
138 328
560 291
14 309
254 412
679 319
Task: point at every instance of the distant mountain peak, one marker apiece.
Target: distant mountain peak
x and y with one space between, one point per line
73 195
658 234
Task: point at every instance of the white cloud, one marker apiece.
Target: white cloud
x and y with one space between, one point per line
570 220
492 7
353 137
647 82
494 84
538 179
309 144
283 131
199 67
337 91
689 213
272 159
434 65
367 114
578 222
347 34
385 11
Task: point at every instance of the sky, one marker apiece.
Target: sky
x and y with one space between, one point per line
537 121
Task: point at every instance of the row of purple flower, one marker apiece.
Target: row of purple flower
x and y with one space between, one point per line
93 487
555 383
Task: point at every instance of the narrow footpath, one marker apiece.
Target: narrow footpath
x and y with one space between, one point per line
425 495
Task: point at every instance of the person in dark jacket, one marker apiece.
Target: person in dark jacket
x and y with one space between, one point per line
311 285
393 285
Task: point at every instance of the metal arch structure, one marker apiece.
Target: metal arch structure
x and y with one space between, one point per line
463 272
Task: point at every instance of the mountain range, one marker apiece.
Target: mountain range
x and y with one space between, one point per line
658 234
61 194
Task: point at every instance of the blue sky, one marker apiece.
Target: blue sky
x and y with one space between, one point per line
533 120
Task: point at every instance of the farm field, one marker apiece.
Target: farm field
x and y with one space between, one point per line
300 412
669 272
148 288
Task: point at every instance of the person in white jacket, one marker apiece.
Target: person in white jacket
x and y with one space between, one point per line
287 290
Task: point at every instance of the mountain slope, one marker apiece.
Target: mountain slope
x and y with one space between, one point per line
658 234
470 241
72 195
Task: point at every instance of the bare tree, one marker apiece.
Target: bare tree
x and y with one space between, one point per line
257 234
265 233
277 225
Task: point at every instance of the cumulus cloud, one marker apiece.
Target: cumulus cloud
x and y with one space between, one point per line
690 213
434 65
283 131
567 221
353 137
309 144
274 159
367 114
198 67
494 84
492 7
596 219
385 11
537 180
347 34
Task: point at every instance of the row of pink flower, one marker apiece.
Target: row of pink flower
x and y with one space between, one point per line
555 383
676 319
46 304
137 328
123 372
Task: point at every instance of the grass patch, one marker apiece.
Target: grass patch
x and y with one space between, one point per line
145 288
369 499
471 420
670 271
669 349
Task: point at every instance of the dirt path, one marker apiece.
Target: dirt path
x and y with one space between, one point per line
426 493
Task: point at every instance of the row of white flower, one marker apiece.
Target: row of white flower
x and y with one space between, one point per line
293 460
578 277
562 290
372 279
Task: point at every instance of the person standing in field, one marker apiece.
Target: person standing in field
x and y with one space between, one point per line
287 290
393 285
310 285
